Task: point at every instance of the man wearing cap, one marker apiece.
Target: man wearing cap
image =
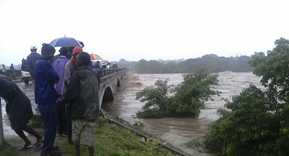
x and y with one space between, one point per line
46 96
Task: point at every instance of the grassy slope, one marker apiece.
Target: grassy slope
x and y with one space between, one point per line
112 140
115 141
6 150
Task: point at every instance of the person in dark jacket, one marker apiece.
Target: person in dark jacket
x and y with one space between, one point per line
46 96
19 111
68 70
82 95
31 60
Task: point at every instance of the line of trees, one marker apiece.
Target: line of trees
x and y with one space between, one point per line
209 63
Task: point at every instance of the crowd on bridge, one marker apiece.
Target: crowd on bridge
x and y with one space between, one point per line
66 93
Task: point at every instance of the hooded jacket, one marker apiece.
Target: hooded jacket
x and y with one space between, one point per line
82 94
45 79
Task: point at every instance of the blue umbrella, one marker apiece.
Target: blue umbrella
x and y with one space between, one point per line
65 42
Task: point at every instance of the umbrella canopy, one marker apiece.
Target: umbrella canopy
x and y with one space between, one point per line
65 42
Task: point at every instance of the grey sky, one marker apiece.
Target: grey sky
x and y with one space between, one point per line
150 29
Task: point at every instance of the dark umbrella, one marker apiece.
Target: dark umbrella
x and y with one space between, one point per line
65 42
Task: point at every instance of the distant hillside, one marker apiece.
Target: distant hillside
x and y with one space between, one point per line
209 63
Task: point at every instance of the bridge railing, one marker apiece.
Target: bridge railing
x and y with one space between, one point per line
101 73
1 125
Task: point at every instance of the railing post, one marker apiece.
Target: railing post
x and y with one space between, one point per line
1 125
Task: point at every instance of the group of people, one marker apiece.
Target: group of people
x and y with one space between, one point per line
66 93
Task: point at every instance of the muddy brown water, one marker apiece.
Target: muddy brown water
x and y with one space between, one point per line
177 131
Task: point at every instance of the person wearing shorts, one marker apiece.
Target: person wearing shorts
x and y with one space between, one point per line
82 96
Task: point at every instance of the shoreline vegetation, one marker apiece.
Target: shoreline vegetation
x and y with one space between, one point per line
256 122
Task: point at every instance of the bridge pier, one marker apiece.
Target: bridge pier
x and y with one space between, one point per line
109 85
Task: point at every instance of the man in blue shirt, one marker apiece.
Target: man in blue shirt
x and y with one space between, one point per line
46 96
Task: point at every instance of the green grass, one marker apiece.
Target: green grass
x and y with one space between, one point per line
7 150
113 140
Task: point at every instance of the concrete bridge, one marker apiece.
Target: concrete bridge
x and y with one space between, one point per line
110 82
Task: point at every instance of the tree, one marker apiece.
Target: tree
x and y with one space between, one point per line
192 93
185 100
156 99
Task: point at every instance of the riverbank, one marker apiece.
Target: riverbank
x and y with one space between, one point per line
111 140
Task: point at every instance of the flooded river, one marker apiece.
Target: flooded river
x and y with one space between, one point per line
177 131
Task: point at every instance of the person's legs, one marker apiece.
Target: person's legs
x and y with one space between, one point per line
62 124
77 148
91 150
52 127
88 136
49 117
69 126
31 131
21 134
76 135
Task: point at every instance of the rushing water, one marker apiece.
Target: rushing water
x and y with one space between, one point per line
177 131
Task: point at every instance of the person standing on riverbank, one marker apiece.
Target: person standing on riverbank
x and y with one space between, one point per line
82 95
19 111
59 65
46 96
68 70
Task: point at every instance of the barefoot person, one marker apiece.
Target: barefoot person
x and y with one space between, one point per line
82 95
19 111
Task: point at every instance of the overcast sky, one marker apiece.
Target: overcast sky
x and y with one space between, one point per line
150 29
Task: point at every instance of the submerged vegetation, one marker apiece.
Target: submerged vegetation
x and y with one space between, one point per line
256 122
183 100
